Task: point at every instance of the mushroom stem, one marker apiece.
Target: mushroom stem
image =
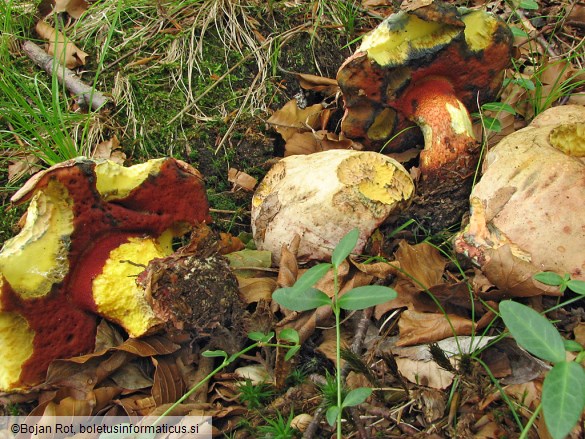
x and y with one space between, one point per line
450 147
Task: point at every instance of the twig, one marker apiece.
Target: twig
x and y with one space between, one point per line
73 83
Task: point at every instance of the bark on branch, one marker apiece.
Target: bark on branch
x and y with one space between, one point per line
84 92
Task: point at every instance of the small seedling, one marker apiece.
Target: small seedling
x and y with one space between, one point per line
563 390
279 428
303 297
254 395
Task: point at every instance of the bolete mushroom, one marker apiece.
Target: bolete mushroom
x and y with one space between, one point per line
324 195
427 66
91 227
528 209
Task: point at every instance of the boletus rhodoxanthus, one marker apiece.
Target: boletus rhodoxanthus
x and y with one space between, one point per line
426 67
90 229
528 209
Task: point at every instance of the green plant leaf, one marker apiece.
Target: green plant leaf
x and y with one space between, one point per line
528 4
259 336
356 396
291 352
300 300
525 83
218 353
498 106
366 296
549 278
492 124
572 346
563 397
345 246
533 331
289 334
517 32
310 277
331 415
578 286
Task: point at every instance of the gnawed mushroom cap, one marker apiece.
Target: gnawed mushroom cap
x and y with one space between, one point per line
88 222
323 196
468 48
531 198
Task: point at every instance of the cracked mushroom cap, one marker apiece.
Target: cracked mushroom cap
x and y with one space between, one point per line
90 228
324 195
468 48
531 198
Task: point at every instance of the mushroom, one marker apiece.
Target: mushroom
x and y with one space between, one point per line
324 195
91 228
527 210
427 66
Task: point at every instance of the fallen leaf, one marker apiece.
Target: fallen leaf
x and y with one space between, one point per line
424 373
131 376
64 50
75 8
417 328
241 180
514 275
168 386
422 263
22 166
309 142
110 150
256 373
254 289
291 119
325 86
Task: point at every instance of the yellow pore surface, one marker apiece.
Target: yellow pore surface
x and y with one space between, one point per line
115 292
16 339
36 258
569 138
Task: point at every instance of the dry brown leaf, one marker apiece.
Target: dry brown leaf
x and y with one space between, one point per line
424 373
131 376
309 142
110 150
137 405
241 180
326 86
291 119
75 8
64 50
288 269
327 347
168 386
380 270
513 274
229 243
254 289
418 328
23 166
422 262
579 332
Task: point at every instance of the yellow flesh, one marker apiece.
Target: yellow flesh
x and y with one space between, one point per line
16 339
115 291
36 258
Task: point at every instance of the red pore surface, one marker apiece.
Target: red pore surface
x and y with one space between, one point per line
63 327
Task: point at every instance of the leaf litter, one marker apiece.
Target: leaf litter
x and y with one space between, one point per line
436 302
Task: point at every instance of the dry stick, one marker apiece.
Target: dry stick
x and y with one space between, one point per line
73 83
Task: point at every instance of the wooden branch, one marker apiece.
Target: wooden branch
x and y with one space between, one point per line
73 83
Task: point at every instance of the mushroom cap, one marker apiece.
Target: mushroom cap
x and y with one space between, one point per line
531 198
90 225
324 195
469 48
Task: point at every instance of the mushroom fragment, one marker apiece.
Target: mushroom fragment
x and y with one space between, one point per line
89 226
324 195
530 202
427 66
